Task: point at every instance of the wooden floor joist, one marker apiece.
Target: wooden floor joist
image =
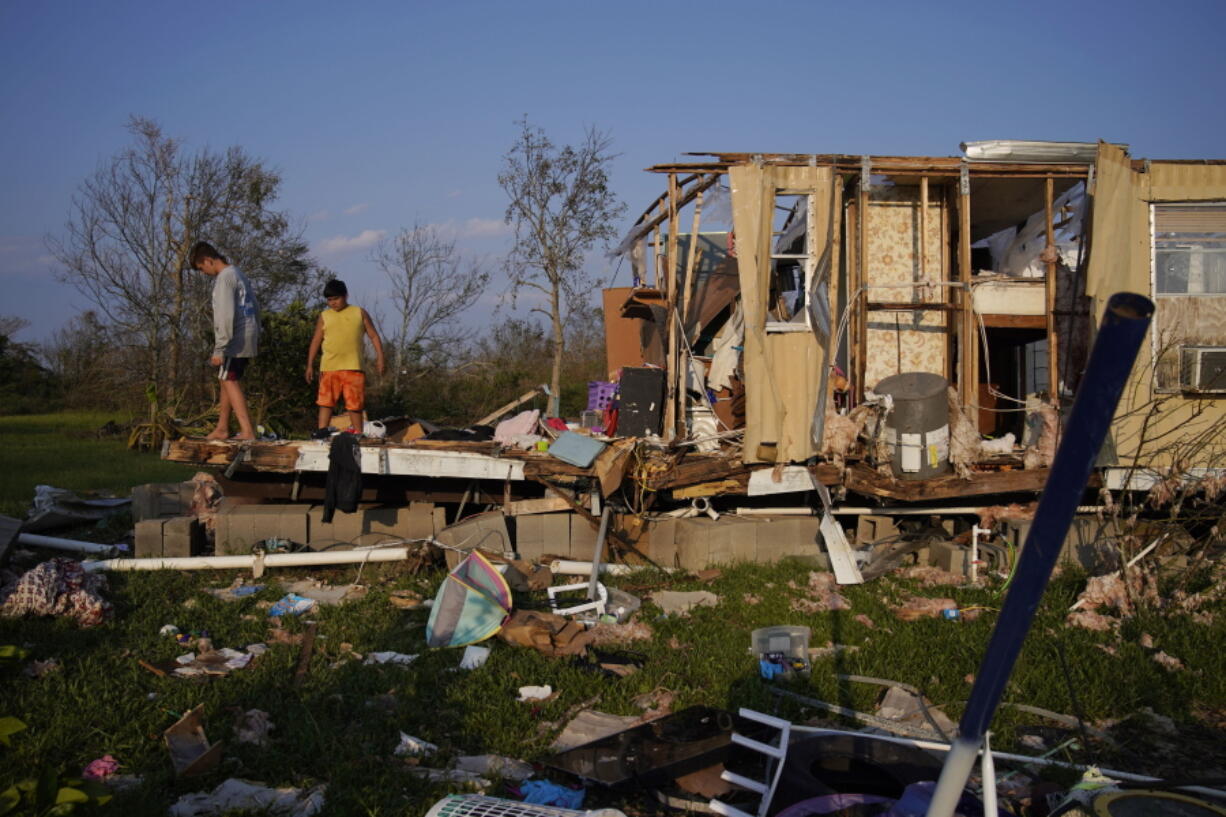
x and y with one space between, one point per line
865 480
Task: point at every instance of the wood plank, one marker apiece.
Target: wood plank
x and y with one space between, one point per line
527 507
732 485
865 480
1015 321
266 456
1049 283
968 340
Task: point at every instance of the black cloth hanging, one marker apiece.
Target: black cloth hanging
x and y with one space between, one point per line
344 486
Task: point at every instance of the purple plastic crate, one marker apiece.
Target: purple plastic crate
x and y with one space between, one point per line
600 394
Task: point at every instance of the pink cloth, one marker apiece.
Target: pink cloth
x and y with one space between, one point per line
522 423
101 769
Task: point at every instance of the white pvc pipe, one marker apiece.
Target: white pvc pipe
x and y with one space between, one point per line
55 543
327 557
568 567
908 511
774 512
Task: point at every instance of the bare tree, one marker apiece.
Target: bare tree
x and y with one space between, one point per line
561 206
432 282
130 229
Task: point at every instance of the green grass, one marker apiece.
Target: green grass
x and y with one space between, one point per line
57 449
332 730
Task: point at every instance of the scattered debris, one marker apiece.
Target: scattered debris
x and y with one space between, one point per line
460 776
823 595
547 633
100 769
680 603
930 576
917 607
41 669
534 693
253 727
59 508
389 658
191 753
235 794
210 662
57 587
410 746
544 793
474 656
292 604
591 725
494 766
620 633
830 650
1168 661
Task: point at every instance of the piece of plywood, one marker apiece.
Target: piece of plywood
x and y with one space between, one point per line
527 507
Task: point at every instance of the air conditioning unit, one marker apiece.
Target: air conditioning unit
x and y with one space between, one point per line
1202 368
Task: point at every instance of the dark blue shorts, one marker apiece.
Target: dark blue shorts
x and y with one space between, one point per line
232 368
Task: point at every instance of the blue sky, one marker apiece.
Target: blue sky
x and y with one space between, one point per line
382 114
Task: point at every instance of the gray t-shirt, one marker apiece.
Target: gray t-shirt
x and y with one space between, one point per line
236 316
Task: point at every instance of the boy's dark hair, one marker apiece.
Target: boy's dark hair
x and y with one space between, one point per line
334 288
203 250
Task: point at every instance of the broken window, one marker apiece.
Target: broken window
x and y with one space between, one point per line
1189 282
793 263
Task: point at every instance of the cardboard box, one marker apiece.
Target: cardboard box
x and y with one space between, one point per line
161 500
242 527
487 531
372 524
168 538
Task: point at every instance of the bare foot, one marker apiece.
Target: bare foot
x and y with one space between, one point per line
217 434
243 436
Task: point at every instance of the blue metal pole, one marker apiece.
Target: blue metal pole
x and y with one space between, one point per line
1120 335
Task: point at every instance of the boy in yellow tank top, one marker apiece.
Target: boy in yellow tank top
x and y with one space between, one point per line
339 330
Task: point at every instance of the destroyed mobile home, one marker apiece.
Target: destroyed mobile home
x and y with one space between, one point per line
865 349
772 385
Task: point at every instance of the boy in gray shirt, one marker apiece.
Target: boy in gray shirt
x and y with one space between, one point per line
236 330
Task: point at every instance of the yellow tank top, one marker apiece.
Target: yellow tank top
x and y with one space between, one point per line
342 339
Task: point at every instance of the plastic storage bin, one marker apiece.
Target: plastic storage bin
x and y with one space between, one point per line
791 642
600 394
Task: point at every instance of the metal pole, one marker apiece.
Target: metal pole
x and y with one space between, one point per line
1120 334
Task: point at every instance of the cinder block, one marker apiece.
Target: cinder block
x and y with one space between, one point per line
149 539
240 528
789 536
873 528
660 542
161 500
372 524
182 536
949 557
543 534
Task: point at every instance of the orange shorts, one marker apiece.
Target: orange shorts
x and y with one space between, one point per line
348 384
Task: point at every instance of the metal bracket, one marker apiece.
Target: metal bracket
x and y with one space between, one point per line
964 179
1090 181
866 173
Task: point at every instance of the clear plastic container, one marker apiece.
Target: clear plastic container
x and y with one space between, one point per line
792 642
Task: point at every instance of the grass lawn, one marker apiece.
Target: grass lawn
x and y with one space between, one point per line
342 724
60 450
